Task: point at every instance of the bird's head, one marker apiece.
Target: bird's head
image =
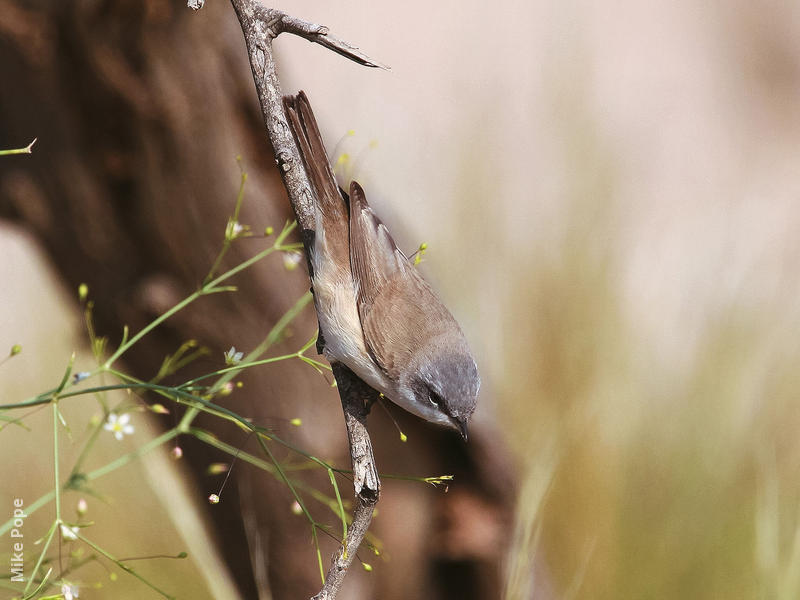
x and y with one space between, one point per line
445 388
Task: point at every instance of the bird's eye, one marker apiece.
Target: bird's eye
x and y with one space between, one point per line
435 399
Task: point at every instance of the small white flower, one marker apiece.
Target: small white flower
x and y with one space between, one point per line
235 229
69 533
69 591
119 425
232 357
291 260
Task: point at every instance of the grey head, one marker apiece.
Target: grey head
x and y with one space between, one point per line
444 385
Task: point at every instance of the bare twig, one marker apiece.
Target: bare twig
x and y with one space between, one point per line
260 26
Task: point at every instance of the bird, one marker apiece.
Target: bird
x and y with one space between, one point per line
376 313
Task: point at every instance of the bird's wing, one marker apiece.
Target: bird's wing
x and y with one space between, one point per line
404 321
399 311
374 257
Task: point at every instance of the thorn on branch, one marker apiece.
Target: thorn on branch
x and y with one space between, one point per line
277 22
319 34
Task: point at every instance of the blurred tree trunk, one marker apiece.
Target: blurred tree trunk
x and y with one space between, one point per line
141 107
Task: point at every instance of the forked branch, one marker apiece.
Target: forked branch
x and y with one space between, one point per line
260 26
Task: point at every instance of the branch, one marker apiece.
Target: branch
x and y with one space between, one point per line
357 398
260 26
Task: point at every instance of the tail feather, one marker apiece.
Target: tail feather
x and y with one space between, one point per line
315 159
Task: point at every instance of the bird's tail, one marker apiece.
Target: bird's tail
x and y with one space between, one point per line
315 159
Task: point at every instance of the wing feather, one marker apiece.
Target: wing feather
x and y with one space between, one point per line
374 257
400 313
405 318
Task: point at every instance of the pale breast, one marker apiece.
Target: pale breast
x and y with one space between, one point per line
335 299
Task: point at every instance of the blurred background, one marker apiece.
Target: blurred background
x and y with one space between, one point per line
609 192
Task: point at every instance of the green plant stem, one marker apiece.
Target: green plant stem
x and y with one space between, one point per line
209 439
26 150
56 474
297 498
277 246
123 566
207 288
45 548
55 459
319 553
176 394
40 587
226 244
332 477
273 336
285 479
85 451
237 368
